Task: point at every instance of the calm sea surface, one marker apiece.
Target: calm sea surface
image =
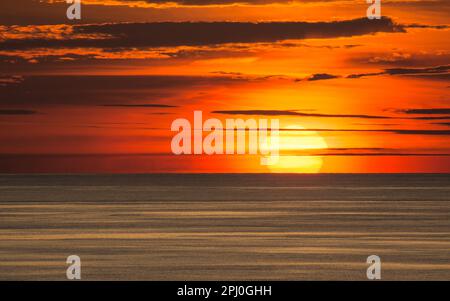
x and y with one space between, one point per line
225 227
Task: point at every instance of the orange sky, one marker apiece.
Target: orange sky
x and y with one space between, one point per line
99 95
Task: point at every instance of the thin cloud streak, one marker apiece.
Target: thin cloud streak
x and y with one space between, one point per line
428 111
393 131
426 71
154 105
17 112
295 113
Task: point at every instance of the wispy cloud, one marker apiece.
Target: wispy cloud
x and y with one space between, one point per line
431 111
393 131
295 113
146 105
156 91
321 76
442 123
337 130
425 71
17 112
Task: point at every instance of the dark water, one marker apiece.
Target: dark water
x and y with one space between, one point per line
229 227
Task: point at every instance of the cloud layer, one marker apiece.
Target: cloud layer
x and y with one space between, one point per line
183 33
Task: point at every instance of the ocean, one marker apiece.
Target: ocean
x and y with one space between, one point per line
225 226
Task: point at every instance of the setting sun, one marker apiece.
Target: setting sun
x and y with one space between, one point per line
292 144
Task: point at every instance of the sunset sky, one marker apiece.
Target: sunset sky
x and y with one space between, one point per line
99 94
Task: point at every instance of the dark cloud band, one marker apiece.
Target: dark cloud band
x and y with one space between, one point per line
163 34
